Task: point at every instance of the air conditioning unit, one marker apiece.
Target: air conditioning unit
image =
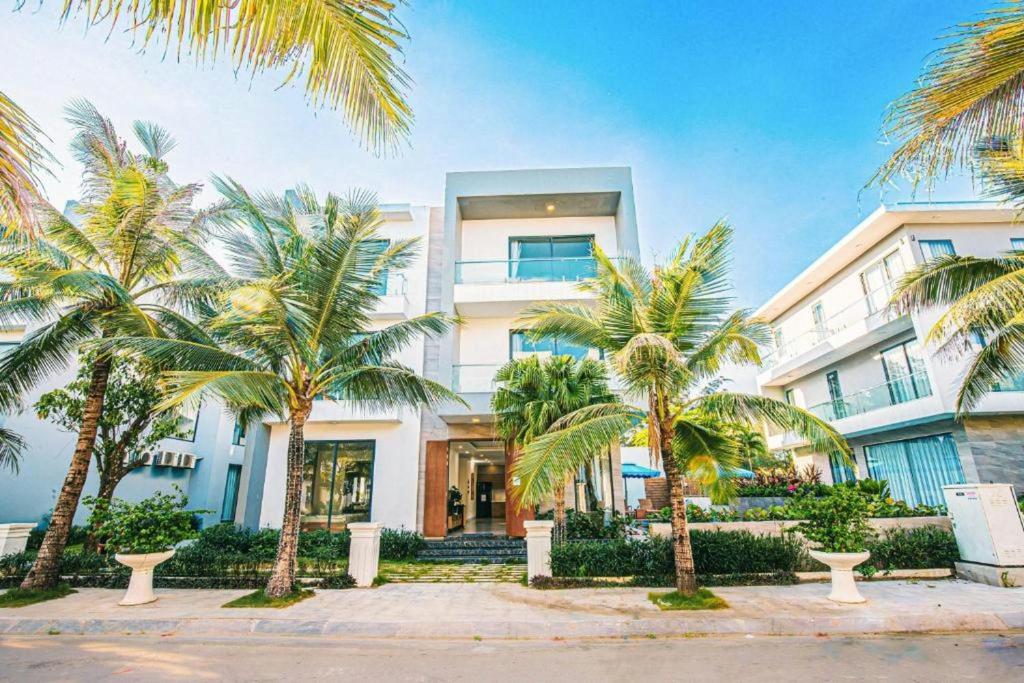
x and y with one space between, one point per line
174 459
145 460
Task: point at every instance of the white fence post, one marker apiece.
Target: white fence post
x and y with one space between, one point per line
364 553
14 537
538 547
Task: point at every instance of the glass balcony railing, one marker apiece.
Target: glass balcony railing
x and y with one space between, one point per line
873 307
893 392
567 269
476 378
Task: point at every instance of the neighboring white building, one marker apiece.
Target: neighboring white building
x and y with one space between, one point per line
841 353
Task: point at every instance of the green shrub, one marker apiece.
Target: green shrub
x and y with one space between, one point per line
837 523
714 553
399 544
152 525
592 525
323 545
922 548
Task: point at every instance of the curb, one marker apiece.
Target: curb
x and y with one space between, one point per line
642 627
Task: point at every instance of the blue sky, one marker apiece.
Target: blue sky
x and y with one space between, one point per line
764 113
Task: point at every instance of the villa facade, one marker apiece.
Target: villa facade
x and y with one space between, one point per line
841 352
499 242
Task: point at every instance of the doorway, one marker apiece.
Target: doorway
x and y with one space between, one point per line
476 487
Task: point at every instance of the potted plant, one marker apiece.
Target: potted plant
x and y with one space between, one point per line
838 525
142 535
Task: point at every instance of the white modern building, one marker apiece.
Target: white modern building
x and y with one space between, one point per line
841 352
498 242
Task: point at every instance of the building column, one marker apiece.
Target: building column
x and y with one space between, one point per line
514 518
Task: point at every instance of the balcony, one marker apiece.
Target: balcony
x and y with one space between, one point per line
505 287
335 411
393 303
865 322
477 378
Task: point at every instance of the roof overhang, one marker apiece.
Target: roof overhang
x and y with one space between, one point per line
876 227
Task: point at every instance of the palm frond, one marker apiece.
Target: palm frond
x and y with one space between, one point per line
346 49
1001 359
12 445
971 91
23 160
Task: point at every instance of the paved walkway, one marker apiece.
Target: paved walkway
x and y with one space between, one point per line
436 572
444 611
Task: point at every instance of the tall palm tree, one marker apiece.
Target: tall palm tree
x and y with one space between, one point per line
985 300
23 159
668 333
295 326
134 247
345 50
532 395
752 444
971 90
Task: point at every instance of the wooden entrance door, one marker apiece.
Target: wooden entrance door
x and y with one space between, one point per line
435 490
514 517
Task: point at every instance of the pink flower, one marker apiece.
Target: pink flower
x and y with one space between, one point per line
791 488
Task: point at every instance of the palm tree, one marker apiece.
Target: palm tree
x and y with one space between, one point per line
752 445
22 159
533 395
971 91
667 333
343 49
295 326
135 247
985 300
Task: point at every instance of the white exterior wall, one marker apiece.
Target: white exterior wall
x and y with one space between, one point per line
396 435
485 240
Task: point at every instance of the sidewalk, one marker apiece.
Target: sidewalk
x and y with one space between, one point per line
450 611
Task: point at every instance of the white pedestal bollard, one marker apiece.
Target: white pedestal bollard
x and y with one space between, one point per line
364 553
844 588
14 538
140 585
538 547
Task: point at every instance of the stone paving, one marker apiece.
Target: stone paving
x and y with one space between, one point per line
423 572
503 610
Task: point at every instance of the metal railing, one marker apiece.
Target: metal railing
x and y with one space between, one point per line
872 306
893 392
568 269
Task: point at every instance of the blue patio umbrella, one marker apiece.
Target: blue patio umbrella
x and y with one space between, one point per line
631 471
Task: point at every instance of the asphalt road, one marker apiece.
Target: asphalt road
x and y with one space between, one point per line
176 658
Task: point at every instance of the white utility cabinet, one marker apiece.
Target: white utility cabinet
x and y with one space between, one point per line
987 523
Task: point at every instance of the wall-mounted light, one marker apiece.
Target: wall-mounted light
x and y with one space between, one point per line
550 207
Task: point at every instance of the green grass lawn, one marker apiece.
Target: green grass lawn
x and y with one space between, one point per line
17 597
702 599
260 599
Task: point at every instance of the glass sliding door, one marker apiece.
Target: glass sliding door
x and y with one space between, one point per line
905 373
916 469
835 394
521 346
337 484
227 508
877 281
551 259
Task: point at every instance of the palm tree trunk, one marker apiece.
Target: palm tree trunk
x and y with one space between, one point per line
686 575
559 534
282 578
45 571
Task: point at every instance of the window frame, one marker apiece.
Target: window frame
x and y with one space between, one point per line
927 257
238 488
511 346
334 473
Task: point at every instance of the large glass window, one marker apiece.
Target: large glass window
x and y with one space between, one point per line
238 435
1017 243
227 509
916 469
934 248
188 423
551 258
840 470
523 346
378 247
877 281
594 485
337 484
905 372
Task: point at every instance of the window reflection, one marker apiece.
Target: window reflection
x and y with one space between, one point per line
337 484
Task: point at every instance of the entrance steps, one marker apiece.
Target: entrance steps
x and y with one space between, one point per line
475 549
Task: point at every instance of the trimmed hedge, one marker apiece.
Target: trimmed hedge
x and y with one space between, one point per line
922 548
714 553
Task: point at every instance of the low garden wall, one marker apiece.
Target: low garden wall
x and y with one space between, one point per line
776 527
